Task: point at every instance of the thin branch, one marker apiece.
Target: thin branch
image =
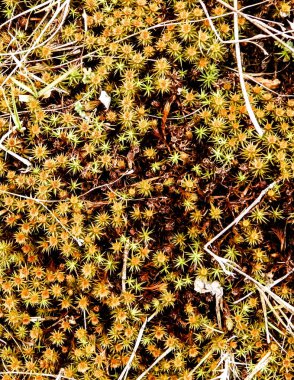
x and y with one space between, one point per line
163 355
265 28
81 195
252 116
125 371
32 9
128 172
255 4
272 32
280 279
241 215
259 366
268 339
201 361
226 370
288 326
13 154
236 39
36 44
265 289
40 202
60 374
80 242
270 286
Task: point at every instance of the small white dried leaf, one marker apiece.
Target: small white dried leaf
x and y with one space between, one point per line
200 285
216 289
24 98
203 286
80 242
105 99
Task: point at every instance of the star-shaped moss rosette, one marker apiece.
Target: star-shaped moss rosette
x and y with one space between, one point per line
146 167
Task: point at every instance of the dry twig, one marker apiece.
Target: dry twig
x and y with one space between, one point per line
125 371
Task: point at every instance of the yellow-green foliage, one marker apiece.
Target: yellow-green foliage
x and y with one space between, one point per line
105 211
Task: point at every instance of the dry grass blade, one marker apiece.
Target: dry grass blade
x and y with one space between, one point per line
240 216
225 264
24 53
259 366
162 356
45 5
201 362
265 317
229 370
267 29
241 76
125 371
13 154
46 92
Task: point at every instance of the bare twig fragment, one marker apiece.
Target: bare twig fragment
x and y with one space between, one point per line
163 355
259 366
125 371
240 216
13 154
241 76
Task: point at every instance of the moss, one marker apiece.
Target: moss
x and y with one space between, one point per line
104 232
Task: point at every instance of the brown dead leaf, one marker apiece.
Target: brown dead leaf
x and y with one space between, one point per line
272 84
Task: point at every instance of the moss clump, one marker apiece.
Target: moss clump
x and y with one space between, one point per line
107 204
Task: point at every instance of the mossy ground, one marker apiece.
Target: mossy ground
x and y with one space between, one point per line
106 210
